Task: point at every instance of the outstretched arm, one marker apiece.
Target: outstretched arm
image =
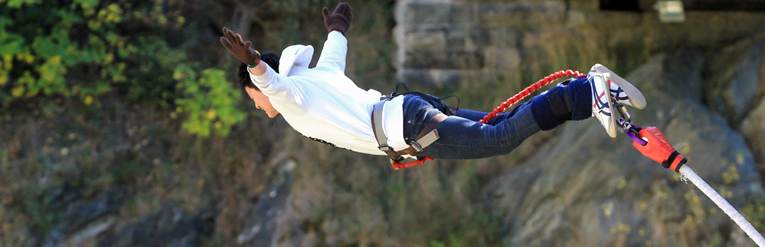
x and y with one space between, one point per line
272 84
334 52
335 49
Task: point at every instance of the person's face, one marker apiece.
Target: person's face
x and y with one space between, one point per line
262 102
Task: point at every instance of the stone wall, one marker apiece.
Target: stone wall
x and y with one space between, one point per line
440 41
444 41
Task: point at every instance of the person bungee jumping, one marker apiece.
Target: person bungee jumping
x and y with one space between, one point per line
323 104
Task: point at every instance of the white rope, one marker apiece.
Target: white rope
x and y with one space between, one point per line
687 173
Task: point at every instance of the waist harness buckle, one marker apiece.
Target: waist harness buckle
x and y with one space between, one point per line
426 137
416 146
385 148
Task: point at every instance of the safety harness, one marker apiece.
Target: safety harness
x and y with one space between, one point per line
427 136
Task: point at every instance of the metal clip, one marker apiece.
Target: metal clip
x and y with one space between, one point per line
625 122
633 131
623 112
416 146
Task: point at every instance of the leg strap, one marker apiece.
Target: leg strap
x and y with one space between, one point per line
427 136
560 104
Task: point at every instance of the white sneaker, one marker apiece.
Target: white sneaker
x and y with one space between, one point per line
623 92
608 88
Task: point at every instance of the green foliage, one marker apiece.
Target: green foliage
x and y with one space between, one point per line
42 43
755 213
211 101
84 49
455 240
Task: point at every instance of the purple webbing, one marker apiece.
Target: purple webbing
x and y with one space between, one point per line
633 135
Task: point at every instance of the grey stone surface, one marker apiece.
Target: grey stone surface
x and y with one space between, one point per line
427 37
170 226
586 189
435 13
521 14
443 77
498 59
735 78
746 82
527 25
444 59
753 129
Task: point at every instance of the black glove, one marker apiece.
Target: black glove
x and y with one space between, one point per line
340 20
240 49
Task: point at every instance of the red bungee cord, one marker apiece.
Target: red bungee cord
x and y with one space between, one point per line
530 89
503 106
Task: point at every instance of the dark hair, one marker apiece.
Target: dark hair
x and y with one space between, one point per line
270 58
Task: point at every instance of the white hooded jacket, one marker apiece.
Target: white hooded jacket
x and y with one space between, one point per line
325 105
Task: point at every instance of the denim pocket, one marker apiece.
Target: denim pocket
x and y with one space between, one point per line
417 112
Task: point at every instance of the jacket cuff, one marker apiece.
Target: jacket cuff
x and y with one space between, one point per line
262 81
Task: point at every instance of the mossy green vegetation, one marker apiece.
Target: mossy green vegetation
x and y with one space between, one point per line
89 50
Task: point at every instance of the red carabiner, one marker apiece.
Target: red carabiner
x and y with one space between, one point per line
397 165
657 148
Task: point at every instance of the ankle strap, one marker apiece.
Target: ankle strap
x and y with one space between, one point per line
558 104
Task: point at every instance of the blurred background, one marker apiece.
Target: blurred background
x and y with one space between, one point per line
122 124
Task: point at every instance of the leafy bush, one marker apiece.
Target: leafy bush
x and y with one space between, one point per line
84 49
214 109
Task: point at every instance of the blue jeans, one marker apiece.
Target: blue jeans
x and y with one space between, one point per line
463 137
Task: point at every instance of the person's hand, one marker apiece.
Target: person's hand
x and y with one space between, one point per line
241 50
340 20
